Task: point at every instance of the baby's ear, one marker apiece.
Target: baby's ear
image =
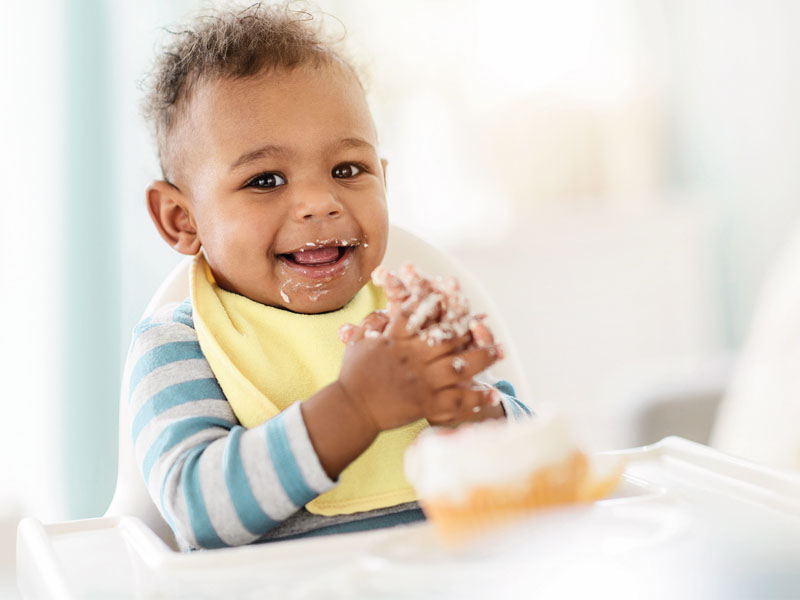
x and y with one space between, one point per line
171 212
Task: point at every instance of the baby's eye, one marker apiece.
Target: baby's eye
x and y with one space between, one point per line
267 181
345 171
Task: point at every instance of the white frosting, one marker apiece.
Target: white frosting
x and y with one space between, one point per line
488 453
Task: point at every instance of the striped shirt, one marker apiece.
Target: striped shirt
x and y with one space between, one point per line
215 482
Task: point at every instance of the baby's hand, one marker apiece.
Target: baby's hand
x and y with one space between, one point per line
439 344
396 376
443 315
437 307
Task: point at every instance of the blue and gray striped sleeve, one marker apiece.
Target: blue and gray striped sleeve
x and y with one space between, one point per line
515 409
215 482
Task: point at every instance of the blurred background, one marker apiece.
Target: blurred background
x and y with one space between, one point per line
620 173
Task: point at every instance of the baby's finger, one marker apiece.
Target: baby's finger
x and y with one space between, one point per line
476 399
346 332
437 346
456 304
461 403
394 288
417 284
375 322
354 333
450 370
445 406
485 396
481 333
449 285
411 278
426 313
401 324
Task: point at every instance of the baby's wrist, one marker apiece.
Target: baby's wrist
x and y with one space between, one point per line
357 408
338 431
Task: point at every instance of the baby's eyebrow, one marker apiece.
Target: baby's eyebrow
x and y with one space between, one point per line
263 152
271 150
353 142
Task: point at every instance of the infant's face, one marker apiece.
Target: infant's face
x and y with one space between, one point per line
286 186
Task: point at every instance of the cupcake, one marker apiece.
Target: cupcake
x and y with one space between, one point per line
485 474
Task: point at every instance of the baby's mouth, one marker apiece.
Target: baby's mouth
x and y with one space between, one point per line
320 259
316 256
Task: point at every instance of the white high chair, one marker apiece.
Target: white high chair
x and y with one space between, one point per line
746 404
679 505
131 497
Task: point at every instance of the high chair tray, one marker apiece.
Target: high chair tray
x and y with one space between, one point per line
686 521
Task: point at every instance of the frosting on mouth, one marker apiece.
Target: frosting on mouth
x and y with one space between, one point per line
320 252
316 267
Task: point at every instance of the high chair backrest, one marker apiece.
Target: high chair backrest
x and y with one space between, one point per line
131 496
757 418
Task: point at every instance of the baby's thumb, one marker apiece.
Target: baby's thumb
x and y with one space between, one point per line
346 332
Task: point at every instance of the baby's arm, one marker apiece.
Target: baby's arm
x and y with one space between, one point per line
215 482
390 377
219 484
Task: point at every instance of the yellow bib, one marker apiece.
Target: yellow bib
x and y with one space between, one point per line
266 358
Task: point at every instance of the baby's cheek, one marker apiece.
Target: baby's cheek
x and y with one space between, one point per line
378 227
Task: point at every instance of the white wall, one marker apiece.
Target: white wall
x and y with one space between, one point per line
31 188
734 85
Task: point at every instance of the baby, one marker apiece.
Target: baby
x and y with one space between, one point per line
251 419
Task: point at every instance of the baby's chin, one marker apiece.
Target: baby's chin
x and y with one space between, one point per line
312 301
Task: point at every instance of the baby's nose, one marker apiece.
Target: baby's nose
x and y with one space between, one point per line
315 204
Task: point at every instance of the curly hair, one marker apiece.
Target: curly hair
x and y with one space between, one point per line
232 44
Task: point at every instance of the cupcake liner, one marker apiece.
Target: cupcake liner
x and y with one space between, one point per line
601 482
485 507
